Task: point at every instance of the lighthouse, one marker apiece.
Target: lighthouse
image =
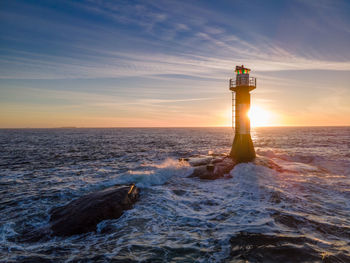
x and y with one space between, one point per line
242 146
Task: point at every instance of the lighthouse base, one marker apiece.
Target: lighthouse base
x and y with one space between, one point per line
242 148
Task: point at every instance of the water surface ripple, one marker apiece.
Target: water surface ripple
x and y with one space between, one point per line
300 213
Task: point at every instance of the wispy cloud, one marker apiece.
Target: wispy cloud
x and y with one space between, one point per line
219 51
169 53
206 50
118 64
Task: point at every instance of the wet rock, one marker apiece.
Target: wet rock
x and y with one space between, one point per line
198 161
210 167
83 214
224 167
216 168
264 161
217 160
202 172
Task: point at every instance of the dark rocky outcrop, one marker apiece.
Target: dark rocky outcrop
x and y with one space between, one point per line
212 167
218 166
83 214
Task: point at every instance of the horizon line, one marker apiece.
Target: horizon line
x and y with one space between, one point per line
167 127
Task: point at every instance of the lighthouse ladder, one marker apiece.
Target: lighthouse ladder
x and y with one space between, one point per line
233 110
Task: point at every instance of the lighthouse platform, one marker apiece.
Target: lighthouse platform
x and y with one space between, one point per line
243 82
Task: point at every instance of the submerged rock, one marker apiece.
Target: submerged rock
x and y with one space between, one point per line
264 161
83 214
259 247
213 168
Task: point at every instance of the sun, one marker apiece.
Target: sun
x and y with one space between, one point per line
259 116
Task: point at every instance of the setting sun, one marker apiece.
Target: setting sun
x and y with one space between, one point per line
259 116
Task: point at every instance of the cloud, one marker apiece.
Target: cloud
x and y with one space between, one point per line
163 46
117 64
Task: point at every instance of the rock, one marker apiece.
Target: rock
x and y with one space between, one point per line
224 167
198 161
210 167
202 172
264 161
217 160
214 170
83 214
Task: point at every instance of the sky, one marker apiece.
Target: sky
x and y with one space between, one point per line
167 63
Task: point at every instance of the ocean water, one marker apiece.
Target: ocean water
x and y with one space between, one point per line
299 213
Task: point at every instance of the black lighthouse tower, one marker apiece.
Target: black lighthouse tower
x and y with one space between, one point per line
242 146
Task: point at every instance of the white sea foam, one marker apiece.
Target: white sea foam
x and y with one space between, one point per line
154 173
296 166
252 182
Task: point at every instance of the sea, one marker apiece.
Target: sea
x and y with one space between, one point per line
298 213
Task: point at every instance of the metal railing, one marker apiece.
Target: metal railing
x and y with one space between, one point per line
251 81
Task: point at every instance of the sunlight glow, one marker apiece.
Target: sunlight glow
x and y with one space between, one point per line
259 116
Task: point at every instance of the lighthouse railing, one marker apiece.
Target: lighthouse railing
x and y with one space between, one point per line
251 81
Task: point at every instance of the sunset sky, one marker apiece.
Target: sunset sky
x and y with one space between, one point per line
167 63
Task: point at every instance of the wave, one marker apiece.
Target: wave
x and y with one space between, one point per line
258 247
154 174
